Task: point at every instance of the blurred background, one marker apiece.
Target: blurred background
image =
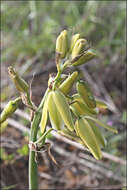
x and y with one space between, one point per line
29 30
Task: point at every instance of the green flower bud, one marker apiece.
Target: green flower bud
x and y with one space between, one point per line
87 56
83 129
9 109
78 47
20 84
86 94
63 108
74 40
66 86
62 44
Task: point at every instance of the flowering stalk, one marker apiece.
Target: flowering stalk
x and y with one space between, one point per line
33 176
73 116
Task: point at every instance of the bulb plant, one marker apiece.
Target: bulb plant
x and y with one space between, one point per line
73 116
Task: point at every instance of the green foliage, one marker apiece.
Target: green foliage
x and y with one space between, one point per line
8 187
114 142
4 156
27 27
49 136
124 117
24 150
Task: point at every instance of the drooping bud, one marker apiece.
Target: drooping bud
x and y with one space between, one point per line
63 108
9 109
54 116
87 56
66 86
44 117
74 40
86 93
62 44
20 84
88 137
78 47
80 108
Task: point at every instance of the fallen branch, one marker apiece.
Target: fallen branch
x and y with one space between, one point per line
77 145
102 90
105 172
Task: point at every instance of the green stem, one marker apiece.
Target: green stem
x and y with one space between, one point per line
30 102
58 76
66 64
60 70
43 136
33 177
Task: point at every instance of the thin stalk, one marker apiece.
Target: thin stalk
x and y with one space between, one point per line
58 76
43 136
33 174
33 177
60 70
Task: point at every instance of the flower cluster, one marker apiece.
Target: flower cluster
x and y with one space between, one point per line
74 116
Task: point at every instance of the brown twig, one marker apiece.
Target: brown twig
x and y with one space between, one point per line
101 89
73 143
106 172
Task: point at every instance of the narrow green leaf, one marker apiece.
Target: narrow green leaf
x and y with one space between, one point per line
101 124
43 137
